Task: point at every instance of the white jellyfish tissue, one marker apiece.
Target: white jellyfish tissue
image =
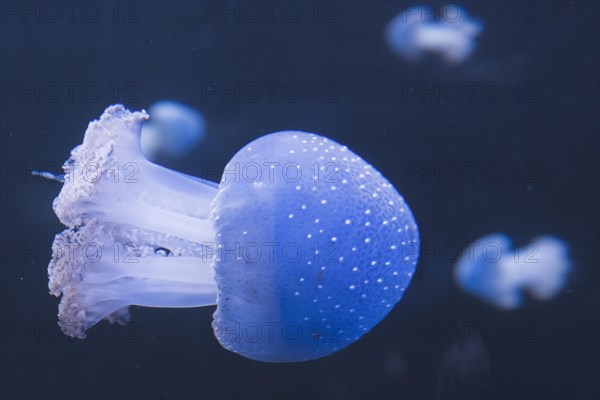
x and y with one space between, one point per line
491 270
138 233
172 131
417 30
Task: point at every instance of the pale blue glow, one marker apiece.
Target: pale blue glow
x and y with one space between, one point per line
303 246
492 271
172 131
414 32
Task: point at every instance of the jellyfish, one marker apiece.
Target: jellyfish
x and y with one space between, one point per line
412 33
492 271
464 369
172 131
303 246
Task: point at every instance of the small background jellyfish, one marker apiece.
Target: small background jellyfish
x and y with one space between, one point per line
464 369
172 131
413 32
492 271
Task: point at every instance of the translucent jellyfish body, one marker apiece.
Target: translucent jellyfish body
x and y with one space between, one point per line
414 32
492 271
172 131
303 246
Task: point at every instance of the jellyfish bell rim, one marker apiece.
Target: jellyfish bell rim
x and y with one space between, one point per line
276 143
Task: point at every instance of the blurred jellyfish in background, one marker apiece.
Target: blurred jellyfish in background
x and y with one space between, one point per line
395 367
464 369
490 270
172 131
413 32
